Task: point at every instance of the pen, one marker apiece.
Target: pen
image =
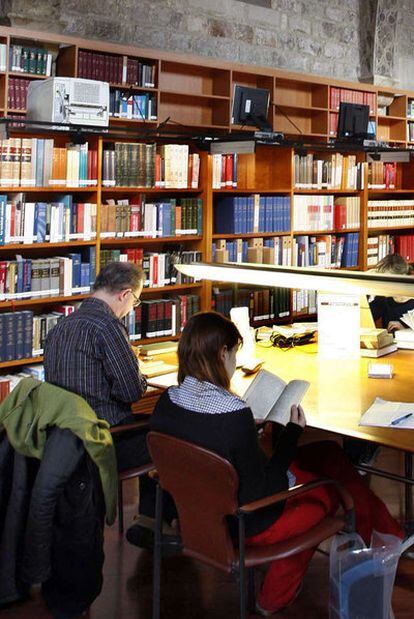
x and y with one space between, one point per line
398 420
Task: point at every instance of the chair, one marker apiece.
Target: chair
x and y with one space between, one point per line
131 473
204 487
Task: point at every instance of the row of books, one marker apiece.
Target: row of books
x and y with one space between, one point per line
346 212
404 245
352 96
315 212
161 317
30 60
116 69
47 277
40 222
37 162
9 381
140 165
264 304
144 219
132 106
304 302
410 108
378 247
390 213
326 250
276 251
382 175
410 132
224 171
333 125
17 93
255 213
159 267
334 171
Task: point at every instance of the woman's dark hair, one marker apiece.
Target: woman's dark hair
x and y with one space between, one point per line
118 276
199 350
393 263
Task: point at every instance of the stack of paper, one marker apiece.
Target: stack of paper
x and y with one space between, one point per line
385 414
408 318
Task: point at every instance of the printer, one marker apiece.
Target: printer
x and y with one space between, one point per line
70 100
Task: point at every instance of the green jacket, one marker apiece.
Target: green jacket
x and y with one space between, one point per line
33 407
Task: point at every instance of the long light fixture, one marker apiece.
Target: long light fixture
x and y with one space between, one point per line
327 280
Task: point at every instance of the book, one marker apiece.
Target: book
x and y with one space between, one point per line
271 399
149 370
378 352
164 381
388 414
157 348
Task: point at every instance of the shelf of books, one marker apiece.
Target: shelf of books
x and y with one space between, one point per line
65 209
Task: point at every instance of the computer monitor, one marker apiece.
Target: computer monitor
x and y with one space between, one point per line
353 121
250 107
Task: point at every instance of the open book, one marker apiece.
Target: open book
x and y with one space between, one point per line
271 399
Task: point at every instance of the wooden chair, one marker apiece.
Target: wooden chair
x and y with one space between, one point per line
204 487
128 473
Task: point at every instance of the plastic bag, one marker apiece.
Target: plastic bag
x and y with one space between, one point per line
361 578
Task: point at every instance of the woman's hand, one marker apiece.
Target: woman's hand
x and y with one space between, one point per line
394 325
297 416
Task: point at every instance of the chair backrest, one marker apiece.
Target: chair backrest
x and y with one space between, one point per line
204 487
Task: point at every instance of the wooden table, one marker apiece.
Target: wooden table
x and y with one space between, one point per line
340 392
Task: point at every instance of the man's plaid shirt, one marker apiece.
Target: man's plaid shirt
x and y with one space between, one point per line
88 353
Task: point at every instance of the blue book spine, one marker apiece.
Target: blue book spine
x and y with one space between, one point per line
224 216
20 276
18 325
287 228
250 210
167 219
213 251
27 275
40 155
9 336
40 219
262 209
76 270
85 274
27 334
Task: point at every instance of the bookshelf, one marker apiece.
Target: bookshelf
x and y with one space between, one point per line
196 93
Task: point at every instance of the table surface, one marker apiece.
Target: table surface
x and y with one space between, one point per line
340 390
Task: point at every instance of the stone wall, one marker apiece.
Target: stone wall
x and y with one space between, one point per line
312 36
325 37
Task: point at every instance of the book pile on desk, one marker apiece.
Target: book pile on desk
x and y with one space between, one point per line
376 342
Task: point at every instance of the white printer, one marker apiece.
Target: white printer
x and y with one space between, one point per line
70 100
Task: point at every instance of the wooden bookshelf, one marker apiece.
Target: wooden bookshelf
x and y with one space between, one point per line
197 93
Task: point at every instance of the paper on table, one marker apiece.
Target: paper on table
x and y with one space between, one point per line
164 381
382 412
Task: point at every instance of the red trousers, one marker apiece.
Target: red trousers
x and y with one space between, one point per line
321 459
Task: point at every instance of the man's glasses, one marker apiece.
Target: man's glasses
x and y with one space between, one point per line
137 301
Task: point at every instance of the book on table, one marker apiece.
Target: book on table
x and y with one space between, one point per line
271 398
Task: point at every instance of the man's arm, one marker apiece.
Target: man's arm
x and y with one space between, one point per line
121 365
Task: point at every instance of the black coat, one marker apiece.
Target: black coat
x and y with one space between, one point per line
51 524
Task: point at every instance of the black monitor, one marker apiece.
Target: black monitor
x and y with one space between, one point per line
353 121
250 107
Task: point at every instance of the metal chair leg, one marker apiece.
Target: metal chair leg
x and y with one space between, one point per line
156 602
120 508
242 570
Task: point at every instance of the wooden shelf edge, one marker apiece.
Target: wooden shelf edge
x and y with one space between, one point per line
136 240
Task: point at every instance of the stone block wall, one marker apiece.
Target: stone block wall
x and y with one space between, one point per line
311 36
323 37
